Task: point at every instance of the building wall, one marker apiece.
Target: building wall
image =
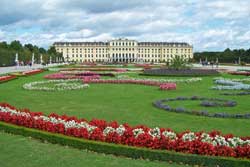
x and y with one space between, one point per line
123 50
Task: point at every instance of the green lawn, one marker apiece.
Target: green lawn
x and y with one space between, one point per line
21 151
124 103
128 103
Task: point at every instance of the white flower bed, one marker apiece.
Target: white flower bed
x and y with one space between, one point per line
234 79
189 136
57 85
155 132
189 80
120 130
228 84
170 135
54 69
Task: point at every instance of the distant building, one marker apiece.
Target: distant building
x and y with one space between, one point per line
123 50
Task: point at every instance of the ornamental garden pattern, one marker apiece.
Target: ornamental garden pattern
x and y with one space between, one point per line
78 78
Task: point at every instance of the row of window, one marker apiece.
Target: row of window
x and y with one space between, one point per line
164 50
89 55
122 43
122 54
125 49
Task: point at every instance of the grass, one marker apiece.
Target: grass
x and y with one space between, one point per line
124 103
128 103
26 152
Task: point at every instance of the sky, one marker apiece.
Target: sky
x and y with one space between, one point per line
207 25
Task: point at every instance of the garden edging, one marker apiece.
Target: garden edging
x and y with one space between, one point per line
122 150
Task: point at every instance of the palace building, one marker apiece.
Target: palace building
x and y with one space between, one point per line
123 50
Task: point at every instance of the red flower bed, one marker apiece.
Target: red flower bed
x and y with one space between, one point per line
88 69
84 75
165 86
246 73
112 132
89 63
142 65
6 78
32 72
168 86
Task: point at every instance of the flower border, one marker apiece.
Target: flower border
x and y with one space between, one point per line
213 143
63 85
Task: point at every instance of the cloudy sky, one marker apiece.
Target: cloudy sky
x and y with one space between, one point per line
207 25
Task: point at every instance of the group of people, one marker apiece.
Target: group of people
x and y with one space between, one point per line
208 63
22 63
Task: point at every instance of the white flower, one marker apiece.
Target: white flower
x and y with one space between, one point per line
206 138
155 132
108 130
59 85
138 131
189 80
170 135
120 130
228 84
221 141
189 136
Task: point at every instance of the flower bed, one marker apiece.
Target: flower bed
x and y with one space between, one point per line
6 78
144 66
235 93
246 73
83 75
206 102
228 84
88 69
55 85
167 86
32 72
188 80
184 72
213 143
18 74
120 70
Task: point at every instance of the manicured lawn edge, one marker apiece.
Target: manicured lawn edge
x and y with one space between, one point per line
121 150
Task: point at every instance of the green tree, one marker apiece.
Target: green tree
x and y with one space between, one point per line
16 45
178 63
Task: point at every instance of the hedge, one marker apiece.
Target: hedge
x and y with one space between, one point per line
181 72
121 150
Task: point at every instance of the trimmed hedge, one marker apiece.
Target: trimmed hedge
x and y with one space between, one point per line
121 150
183 72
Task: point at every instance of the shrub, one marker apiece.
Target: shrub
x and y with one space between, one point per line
180 72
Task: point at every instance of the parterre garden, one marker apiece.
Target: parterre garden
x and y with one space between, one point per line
196 120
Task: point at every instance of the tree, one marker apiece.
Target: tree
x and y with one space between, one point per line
16 45
178 63
42 50
52 50
29 46
8 51
3 45
226 56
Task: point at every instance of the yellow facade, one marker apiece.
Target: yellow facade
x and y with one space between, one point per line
123 50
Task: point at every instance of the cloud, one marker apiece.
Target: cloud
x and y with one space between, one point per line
207 25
